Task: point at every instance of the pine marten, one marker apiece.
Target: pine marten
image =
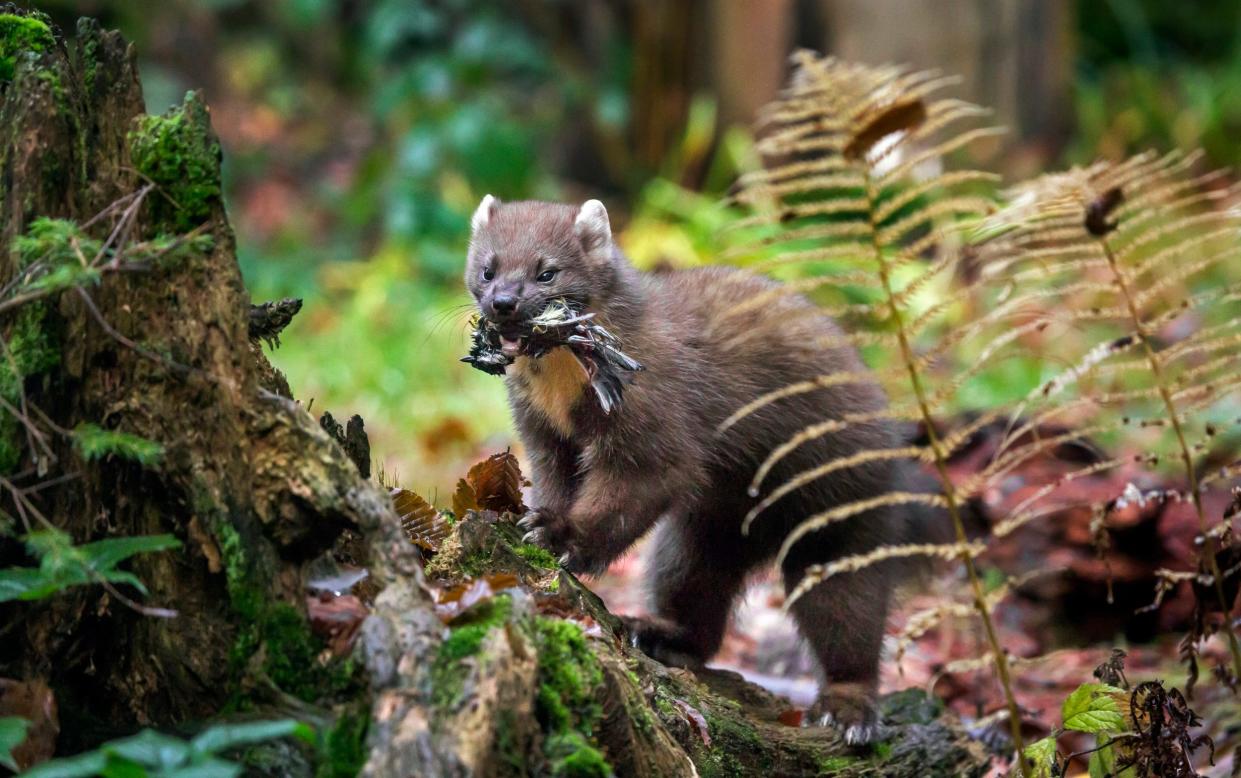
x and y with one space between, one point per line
601 480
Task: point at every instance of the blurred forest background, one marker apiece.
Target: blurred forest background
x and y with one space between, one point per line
359 135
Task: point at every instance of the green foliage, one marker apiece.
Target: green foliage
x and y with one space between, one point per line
63 565
155 755
1149 77
55 242
178 153
20 33
1095 708
94 443
1042 757
32 349
12 733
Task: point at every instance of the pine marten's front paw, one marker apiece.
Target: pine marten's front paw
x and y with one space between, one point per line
552 531
850 709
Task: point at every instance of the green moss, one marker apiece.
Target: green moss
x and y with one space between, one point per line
539 557
20 33
466 638
290 650
729 737
344 748
570 755
178 153
567 705
835 764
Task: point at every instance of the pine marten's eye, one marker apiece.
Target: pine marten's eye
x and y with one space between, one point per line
488 273
547 275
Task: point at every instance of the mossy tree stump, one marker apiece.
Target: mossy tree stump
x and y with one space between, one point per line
154 346
152 343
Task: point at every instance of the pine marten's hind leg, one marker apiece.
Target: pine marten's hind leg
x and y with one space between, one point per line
843 620
692 580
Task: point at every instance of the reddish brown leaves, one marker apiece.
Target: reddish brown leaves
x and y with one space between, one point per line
696 719
493 484
897 118
455 600
336 620
423 524
34 702
791 717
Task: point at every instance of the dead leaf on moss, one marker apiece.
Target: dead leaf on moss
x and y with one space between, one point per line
496 484
423 525
464 499
791 717
452 601
696 719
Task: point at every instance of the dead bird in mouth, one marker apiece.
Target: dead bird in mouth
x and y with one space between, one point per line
560 324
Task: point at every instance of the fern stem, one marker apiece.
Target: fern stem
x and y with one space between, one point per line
950 495
1191 473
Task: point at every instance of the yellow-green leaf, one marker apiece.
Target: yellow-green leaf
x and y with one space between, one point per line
1042 757
1094 707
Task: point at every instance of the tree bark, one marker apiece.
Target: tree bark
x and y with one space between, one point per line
535 677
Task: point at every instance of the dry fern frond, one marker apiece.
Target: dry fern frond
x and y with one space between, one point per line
1151 235
854 178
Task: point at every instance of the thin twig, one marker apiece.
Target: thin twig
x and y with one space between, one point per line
108 328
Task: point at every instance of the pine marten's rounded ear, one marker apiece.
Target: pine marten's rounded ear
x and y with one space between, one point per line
483 213
592 226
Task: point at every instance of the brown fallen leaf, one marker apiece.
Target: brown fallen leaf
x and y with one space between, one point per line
455 600
895 118
336 620
464 499
423 525
35 702
695 718
496 484
791 717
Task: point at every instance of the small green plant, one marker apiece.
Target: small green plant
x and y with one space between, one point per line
150 754
1138 733
93 443
63 565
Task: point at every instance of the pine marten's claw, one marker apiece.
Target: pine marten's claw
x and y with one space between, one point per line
850 710
528 521
534 536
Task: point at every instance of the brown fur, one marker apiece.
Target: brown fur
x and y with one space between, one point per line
602 481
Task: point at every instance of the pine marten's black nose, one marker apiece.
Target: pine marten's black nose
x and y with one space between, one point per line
504 304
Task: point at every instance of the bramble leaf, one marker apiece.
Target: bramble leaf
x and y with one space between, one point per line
1094 707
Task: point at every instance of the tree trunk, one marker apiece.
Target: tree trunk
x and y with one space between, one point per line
152 340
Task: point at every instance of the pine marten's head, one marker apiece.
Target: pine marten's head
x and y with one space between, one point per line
525 254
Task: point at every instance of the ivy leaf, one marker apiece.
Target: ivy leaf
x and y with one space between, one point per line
12 734
1094 707
1042 756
